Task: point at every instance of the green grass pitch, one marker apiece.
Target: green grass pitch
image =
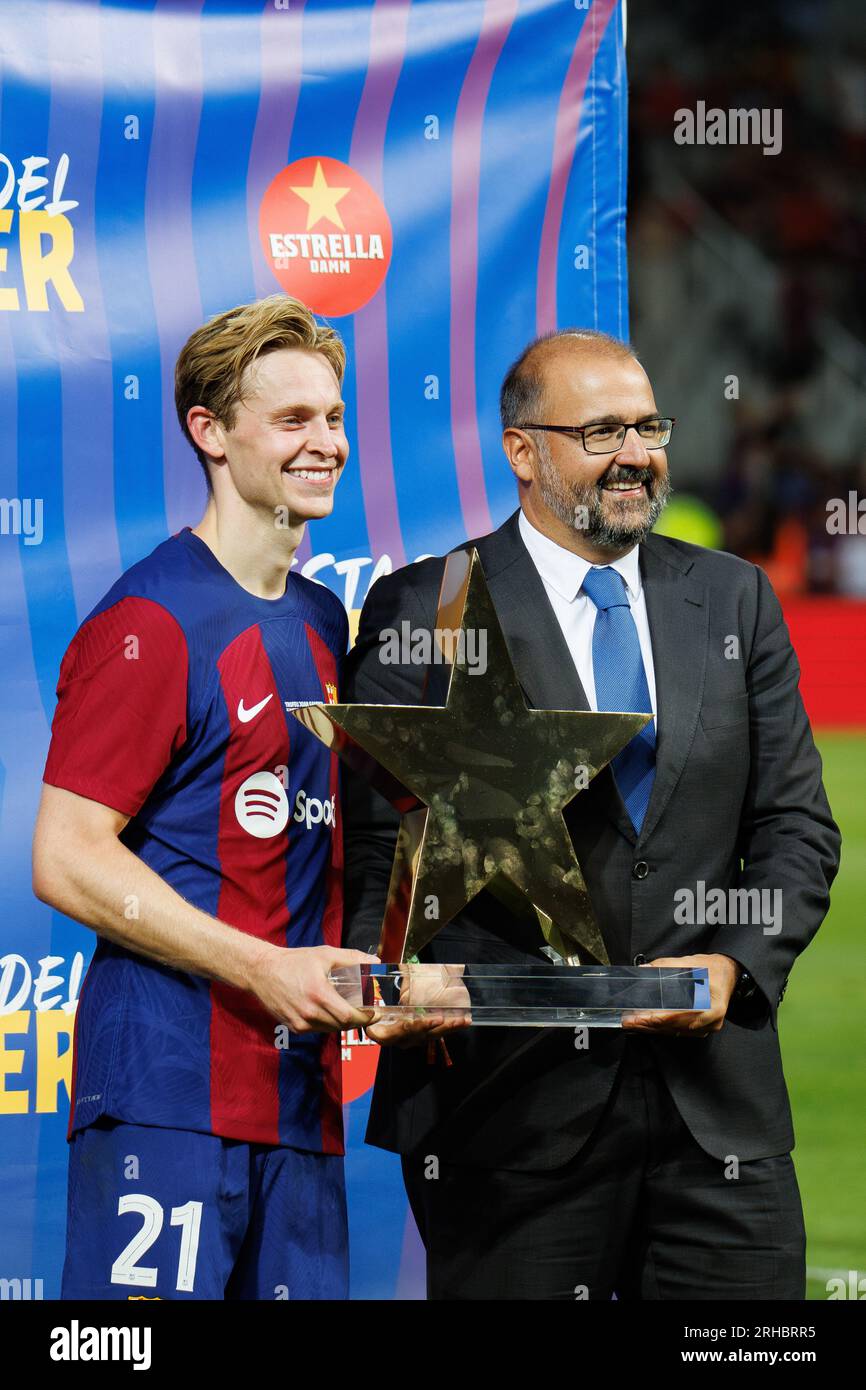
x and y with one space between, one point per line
821 1028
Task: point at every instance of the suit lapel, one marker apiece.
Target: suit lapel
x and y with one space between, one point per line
538 649
678 614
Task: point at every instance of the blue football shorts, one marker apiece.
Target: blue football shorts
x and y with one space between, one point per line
168 1213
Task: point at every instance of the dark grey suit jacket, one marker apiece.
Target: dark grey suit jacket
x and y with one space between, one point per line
737 801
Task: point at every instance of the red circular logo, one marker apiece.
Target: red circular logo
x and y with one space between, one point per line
360 1058
325 234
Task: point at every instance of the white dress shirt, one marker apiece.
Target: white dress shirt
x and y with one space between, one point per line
562 573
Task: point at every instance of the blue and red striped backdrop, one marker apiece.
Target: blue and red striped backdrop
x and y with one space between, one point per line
493 132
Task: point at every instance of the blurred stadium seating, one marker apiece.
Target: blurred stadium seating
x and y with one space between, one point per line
750 266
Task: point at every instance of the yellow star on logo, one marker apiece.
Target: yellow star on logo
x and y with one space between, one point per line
321 199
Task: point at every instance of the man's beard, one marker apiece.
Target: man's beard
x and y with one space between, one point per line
580 507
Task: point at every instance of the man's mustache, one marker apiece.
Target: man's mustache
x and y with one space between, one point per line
630 475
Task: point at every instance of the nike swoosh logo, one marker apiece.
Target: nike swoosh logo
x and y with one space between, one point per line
245 715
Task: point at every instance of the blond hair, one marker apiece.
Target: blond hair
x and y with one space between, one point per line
213 362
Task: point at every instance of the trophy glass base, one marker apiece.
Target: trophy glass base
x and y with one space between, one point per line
523 996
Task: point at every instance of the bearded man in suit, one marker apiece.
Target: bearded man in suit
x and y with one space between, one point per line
654 1163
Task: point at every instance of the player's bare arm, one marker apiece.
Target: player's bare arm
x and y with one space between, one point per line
81 868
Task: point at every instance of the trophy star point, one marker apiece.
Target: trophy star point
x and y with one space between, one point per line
494 774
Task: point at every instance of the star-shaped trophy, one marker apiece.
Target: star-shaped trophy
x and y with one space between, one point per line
481 782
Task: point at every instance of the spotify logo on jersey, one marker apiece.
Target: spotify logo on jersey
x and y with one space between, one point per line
310 811
261 805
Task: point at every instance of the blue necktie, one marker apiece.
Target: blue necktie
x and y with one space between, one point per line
621 684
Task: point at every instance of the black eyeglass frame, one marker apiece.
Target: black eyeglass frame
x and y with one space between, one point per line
580 430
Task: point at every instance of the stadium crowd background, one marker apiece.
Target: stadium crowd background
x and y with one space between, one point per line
751 265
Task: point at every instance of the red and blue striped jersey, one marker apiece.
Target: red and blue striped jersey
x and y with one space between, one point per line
174 703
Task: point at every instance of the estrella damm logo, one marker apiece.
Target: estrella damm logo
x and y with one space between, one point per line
325 234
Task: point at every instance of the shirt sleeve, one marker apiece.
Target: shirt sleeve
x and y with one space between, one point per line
121 713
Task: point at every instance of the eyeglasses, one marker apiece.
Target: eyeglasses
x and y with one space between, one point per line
606 439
